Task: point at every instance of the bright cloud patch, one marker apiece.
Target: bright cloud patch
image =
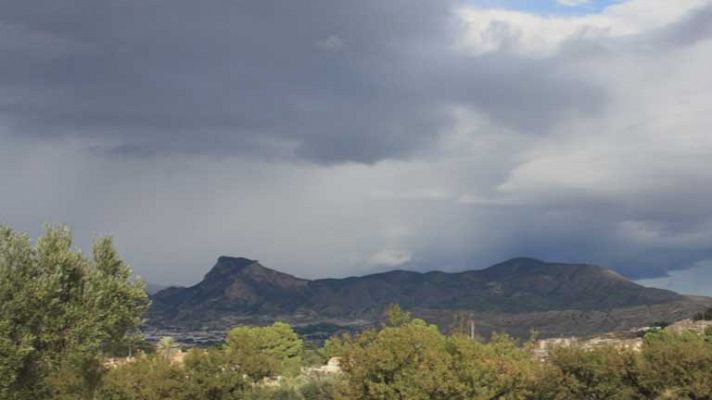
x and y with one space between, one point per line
492 30
390 257
573 3
696 280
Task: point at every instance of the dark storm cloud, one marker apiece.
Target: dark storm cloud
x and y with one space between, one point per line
436 138
329 81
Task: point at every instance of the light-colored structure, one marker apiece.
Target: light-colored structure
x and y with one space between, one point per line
332 367
544 346
689 325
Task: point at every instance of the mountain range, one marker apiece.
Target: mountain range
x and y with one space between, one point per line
514 296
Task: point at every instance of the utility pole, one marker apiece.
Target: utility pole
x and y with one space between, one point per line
472 327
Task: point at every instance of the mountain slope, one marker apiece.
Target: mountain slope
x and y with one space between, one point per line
516 285
233 286
239 289
153 288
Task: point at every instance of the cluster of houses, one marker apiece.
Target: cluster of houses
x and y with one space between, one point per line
630 340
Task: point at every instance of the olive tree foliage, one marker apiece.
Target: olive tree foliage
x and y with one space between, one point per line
60 310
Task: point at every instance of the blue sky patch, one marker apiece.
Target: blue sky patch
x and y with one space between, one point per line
547 7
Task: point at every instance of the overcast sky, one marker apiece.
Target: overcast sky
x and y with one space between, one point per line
334 138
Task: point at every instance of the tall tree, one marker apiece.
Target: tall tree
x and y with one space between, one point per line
262 352
407 360
60 311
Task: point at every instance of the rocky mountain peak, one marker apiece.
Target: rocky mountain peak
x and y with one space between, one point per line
228 266
240 271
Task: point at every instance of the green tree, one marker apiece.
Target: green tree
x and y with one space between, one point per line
263 352
117 303
212 375
499 369
396 316
407 361
59 311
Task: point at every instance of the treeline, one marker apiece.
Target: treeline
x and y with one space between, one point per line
63 315
407 358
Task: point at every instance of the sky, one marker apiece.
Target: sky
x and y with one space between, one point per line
334 138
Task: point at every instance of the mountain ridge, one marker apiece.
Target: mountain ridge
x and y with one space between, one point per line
242 262
239 289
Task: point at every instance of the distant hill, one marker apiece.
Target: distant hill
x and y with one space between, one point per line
152 288
240 290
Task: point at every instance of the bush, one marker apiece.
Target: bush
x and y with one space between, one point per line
600 373
676 364
705 315
147 378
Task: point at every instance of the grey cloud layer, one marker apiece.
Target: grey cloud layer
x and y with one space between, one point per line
326 137
235 78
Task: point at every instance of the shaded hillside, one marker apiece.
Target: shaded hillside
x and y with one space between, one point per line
152 288
239 288
233 286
